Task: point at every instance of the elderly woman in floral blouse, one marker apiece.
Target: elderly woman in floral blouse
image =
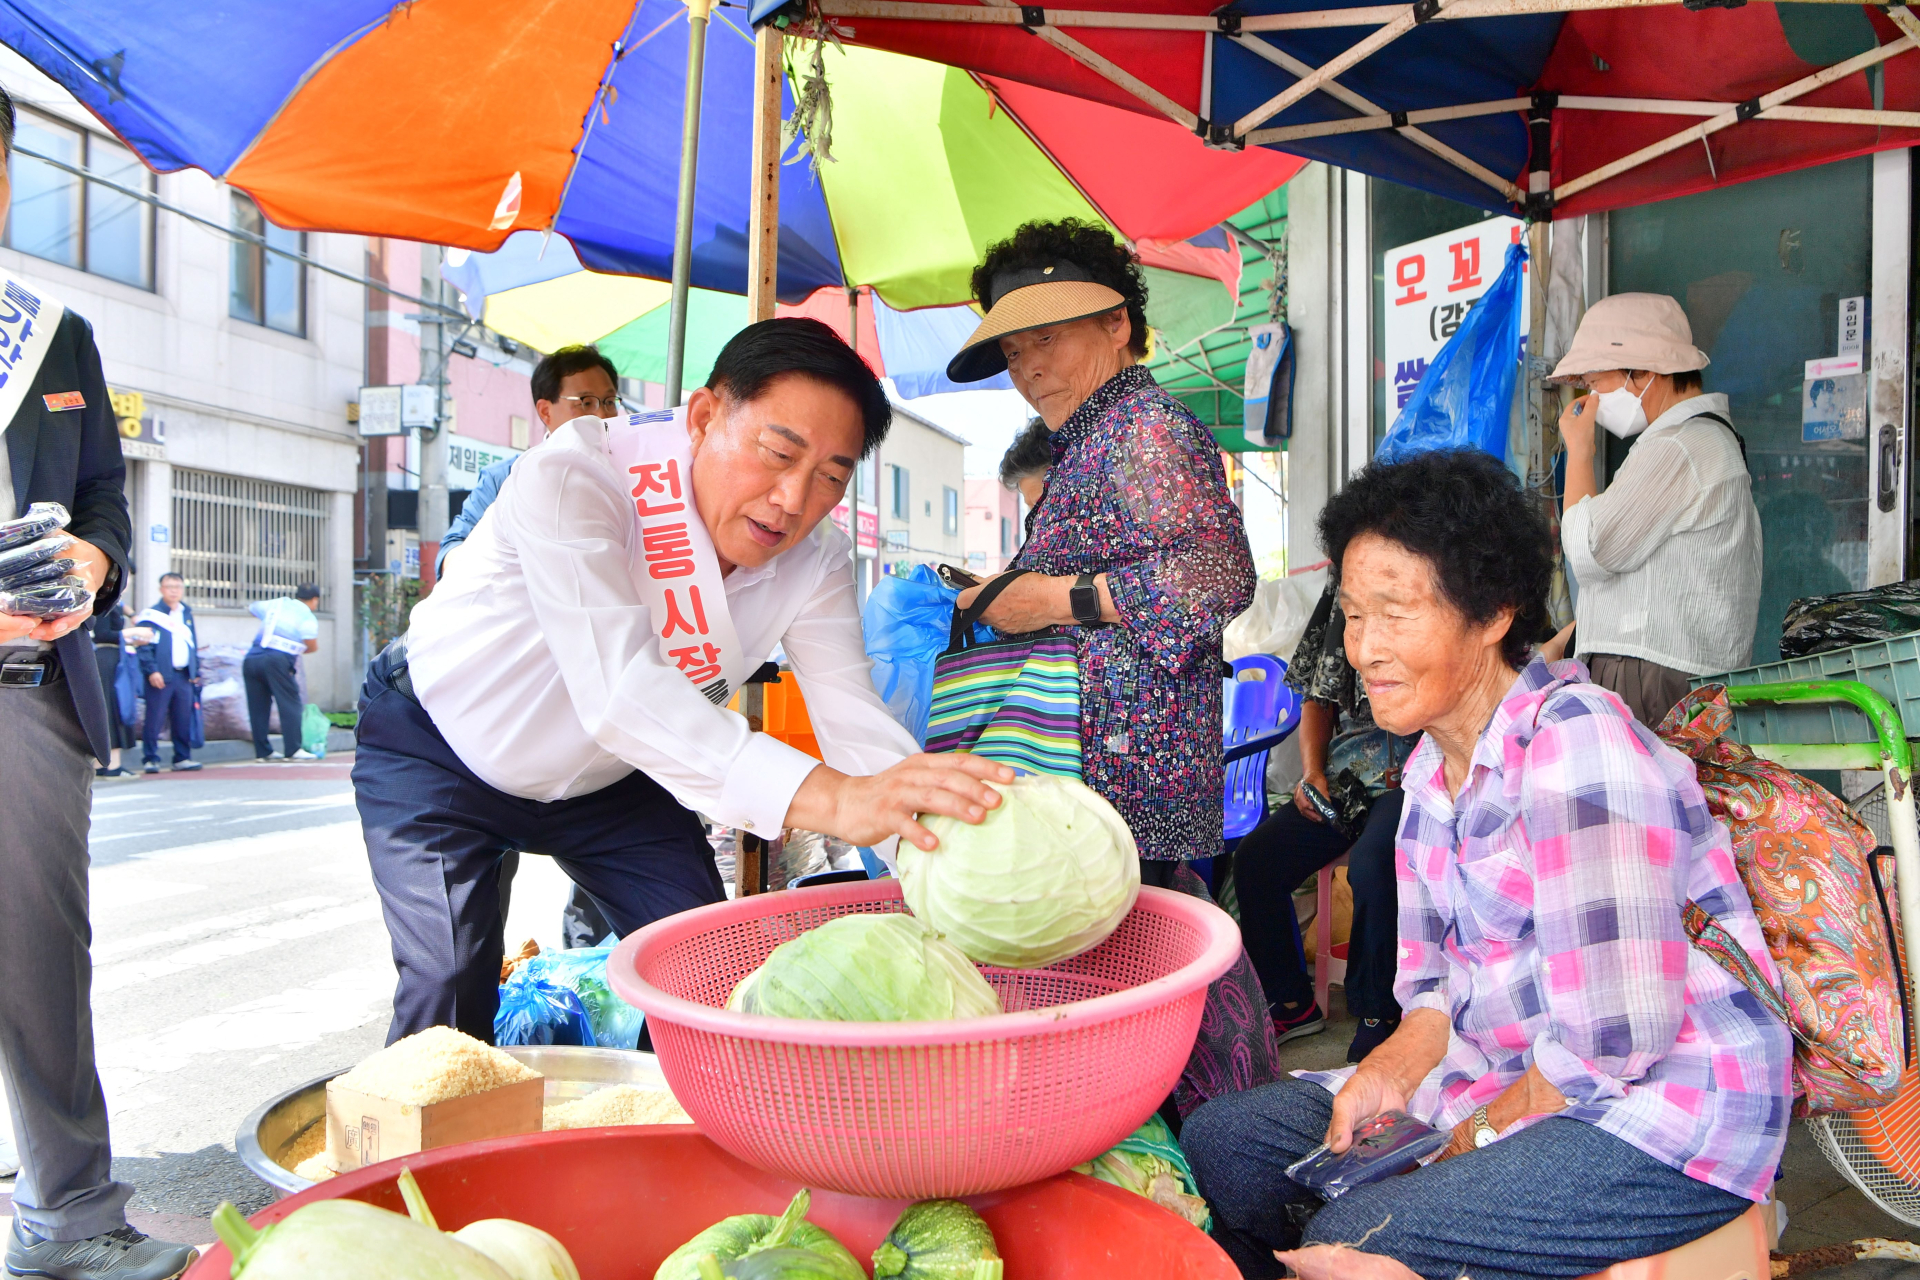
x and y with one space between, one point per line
1140 551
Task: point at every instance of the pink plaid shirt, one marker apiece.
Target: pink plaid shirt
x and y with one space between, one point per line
1541 914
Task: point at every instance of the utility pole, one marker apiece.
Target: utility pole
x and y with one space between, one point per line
433 502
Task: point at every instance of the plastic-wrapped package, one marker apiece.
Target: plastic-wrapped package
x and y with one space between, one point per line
26 556
1818 624
1388 1144
47 599
42 518
534 1010
45 571
615 1023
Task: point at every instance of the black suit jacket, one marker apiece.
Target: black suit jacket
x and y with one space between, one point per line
73 457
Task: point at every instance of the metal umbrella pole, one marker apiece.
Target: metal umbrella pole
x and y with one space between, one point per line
697 11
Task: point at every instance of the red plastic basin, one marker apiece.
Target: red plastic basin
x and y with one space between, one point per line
622 1199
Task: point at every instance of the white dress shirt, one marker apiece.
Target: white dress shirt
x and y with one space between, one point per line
542 668
1668 558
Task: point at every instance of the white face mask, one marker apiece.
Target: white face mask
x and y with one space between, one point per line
1621 411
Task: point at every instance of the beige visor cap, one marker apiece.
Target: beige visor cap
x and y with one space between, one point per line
1632 331
1029 298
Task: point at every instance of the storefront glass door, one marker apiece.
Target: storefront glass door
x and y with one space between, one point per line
1763 270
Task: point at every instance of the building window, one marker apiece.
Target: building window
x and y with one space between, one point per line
237 540
1006 536
58 216
902 497
269 288
950 512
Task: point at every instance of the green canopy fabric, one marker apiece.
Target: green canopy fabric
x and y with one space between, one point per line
1207 368
639 348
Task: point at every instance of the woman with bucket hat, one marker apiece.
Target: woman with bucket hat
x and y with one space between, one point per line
1667 559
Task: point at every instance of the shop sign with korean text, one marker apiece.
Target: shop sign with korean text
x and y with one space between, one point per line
1431 284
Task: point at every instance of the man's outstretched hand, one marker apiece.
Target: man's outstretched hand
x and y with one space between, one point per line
867 810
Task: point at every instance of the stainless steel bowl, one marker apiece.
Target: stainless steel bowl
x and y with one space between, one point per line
273 1127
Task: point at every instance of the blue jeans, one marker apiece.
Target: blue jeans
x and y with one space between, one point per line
1559 1198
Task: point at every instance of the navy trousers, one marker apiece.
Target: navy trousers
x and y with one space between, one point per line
1559 1198
436 835
172 706
1275 858
271 682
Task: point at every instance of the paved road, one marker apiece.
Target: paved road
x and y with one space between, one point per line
238 952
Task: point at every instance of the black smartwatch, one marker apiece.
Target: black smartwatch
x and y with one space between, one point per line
1085 599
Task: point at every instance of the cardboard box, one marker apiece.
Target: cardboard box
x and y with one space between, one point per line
364 1130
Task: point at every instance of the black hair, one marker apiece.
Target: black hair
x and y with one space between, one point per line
563 364
1685 380
1030 454
771 349
1087 245
6 123
306 591
171 574
1464 513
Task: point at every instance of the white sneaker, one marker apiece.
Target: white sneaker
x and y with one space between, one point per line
303 754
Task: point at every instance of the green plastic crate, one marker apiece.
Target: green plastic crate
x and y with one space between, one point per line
1890 667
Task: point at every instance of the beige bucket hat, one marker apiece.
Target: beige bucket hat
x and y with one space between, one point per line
1052 293
1632 331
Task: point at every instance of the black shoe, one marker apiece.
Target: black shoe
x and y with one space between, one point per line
1372 1034
151 766
115 772
118 1255
1292 1026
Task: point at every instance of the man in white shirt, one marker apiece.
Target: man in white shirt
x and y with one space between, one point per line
1668 558
562 690
288 630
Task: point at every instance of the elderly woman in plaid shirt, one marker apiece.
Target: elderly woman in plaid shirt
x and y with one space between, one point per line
1612 1092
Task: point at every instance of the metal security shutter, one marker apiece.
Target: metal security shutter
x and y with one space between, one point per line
237 540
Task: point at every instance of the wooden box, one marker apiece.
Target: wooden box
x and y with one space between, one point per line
364 1130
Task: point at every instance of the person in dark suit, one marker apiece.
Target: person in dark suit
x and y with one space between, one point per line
171 668
60 445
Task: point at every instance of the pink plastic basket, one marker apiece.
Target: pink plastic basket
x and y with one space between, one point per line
913 1110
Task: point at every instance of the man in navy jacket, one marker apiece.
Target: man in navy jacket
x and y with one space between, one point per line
60 444
171 668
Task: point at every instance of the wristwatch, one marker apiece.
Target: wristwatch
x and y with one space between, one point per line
1484 1134
1085 599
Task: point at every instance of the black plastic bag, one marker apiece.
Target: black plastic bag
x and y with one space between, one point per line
42 518
47 599
1819 624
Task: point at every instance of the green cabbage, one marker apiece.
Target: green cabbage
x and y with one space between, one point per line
1050 873
866 968
747 1234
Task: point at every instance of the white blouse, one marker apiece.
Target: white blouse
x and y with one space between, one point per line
1668 558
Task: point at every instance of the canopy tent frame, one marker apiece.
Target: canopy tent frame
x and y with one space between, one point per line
1394 21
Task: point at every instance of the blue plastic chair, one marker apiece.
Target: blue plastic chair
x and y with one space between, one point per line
1263 711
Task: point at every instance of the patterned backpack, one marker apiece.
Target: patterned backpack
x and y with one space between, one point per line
1804 859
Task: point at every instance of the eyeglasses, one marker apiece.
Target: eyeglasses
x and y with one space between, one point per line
600 407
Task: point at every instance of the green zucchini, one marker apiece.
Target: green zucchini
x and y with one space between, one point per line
938 1240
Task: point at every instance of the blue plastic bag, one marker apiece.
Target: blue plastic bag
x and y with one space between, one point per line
908 622
534 1010
1465 398
615 1023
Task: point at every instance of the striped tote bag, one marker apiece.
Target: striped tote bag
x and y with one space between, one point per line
1016 701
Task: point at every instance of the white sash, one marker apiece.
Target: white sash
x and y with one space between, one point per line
673 564
28 320
270 638
176 627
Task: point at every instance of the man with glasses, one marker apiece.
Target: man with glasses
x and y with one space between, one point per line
566 384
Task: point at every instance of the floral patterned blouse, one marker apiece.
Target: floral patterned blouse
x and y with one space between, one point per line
1138 492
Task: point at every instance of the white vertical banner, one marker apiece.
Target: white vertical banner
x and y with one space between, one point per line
1431 285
